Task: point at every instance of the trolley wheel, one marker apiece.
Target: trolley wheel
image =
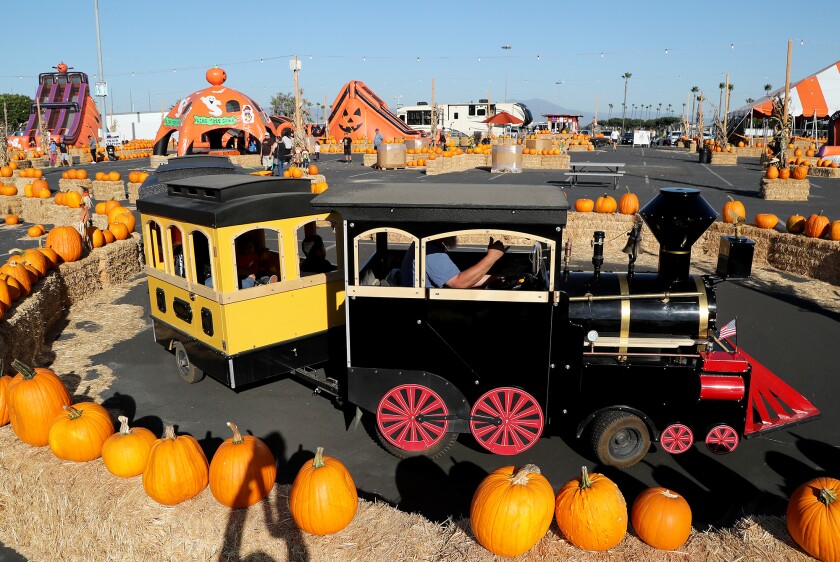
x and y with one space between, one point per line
722 439
676 438
619 439
506 421
189 373
411 421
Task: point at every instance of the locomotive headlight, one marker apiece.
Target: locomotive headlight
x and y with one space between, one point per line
592 336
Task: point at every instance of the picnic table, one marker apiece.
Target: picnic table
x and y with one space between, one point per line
595 169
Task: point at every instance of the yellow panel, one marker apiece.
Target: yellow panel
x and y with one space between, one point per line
284 316
217 310
171 292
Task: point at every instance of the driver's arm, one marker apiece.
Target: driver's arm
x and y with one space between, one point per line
476 275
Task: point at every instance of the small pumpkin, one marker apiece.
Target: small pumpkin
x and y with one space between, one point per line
628 204
766 220
77 434
584 205
119 230
16 291
795 224
126 452
605 204
17 271
6 299
66 241
177 469
109 205
661 518
242 471
216 76
771 173
800 172
733 209
784 173
323 499
51 256
4 394
127 219
591 512
834 231
34 232
813 517
36 397
99 209
12 219
313 170
511 510
815 227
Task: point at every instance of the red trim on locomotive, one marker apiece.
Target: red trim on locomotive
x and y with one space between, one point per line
722 387
724 362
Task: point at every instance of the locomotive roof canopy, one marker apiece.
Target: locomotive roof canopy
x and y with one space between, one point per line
225 200
449 203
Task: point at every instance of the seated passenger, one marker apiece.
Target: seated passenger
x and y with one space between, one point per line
442 272
248 266
316 256
208 276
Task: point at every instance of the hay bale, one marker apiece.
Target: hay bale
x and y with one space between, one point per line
824 172
41 162
156 161
246 160
75 185
724 159
21 183
785 190
368 160
749 151
133 190
107 190
10 204
45 211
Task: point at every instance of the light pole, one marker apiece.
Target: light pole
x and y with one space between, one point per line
101 75
626 76
506 48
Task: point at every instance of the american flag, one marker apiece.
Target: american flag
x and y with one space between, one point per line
728 330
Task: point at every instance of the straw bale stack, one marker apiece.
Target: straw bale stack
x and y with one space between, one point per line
824 172
785 190
41 162
11 204
577 148
75 185
724 159
368 160
133 190
45 211
20 182
246 160
156 161
107 190
749 151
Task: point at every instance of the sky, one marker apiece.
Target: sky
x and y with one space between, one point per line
155 52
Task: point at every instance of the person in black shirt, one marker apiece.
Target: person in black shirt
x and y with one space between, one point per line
347 142
65 156
316 256
265 152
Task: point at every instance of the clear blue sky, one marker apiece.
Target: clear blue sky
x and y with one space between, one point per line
398 47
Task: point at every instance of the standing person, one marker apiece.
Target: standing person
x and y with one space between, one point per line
347 142
317 151
614 138
442 139
265 152
53 153
377 140
65 156
281 152
92 146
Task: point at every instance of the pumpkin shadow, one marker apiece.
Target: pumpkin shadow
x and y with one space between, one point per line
425 488
278 519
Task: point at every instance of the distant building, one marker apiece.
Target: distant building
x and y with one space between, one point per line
559 121
136 125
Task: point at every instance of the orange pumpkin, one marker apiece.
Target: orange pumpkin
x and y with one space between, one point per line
95 237
126 452
36 397
242 471
119 230
795 224
16 270
59 198
323 499
766 220
591 512
51 255
784 173
177 469
113 176
661 518
109 236
127 219
605 204
32 257
81 174
313 170
4 385
216 76
584 205
109 206
73 199
13 286
77 434
628 204
12 219
816 226
834 231
813 518
511 510
771 173
800 172
34 232
100 208
732 210
797 152
66 241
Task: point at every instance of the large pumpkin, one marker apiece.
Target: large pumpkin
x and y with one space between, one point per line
77 434
216 76
605 204
36 397
628 204
784 173
834 231
816 226
66 241
511 510
733 209
177 469
584 205
323 499
591 512
771 173
242 471
766 220
18 271
800 172
661 518
126 452
813 518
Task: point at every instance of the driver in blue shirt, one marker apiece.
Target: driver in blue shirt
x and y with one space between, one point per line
442 272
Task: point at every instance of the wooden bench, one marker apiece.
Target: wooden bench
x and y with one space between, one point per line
595 169
573 176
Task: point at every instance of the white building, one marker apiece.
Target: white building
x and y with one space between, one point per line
136 125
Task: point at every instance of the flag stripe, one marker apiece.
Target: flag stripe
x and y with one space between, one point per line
728 330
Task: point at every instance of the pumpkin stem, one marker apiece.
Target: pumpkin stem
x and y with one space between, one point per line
318 461
25 370
237 437
585 481
72 412
124 429
169 432
669 494
827 497
520 478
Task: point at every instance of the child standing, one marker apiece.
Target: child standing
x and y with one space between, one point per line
304 155
317 151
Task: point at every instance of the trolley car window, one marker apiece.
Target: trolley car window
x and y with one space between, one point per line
202 271
257 258
154 246
379 255
317 248
176 246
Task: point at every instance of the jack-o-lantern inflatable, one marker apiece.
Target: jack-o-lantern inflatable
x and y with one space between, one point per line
61 67
358 112
350 122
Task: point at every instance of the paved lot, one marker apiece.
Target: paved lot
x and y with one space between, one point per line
792 338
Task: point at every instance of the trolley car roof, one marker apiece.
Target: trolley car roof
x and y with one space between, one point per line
451 203
226 200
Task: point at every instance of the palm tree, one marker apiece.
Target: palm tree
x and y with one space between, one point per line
750 100
626 76
722 85
633 114
767 88
610 114
658 109
694 91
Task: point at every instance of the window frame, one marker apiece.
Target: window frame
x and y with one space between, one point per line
337 224
357 290
280 278
153 246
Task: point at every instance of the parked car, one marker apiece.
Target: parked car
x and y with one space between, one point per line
627 138
673 138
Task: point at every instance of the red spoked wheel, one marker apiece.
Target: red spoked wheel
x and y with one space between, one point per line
722 439
506 421
412 417
676 438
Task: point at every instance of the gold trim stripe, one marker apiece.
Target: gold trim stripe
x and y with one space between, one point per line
624 332
702 313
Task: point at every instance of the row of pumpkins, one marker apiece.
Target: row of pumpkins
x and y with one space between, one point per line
815 226
297 172
628 204
8 170
511 510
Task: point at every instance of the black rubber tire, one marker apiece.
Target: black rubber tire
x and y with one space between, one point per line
433 452
619 439
188 372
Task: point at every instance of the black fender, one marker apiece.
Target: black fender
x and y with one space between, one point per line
366 387
654 433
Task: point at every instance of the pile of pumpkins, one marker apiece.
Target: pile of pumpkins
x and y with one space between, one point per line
815 226
800 172
547 151
827 163
628 204
512 510
715 146
107 176
297 172
72 199
32 173
73 174
8 171
121 223
8 190
37 189
174 469
137 176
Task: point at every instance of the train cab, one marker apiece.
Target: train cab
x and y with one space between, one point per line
229 287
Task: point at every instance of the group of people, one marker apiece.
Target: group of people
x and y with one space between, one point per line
278 153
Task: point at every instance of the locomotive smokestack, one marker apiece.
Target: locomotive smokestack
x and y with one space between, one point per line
677 217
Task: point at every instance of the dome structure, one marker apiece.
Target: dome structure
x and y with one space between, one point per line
210 120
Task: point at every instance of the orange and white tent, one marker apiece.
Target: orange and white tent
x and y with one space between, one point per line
818 93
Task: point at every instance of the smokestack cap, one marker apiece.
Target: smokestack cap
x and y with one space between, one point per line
677 217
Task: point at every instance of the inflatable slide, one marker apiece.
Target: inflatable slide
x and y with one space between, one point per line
357 111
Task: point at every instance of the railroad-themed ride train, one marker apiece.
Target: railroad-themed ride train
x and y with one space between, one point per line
619 359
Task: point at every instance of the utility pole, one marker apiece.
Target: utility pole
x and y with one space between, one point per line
726 113
433 124
295 65
101 75
626 76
